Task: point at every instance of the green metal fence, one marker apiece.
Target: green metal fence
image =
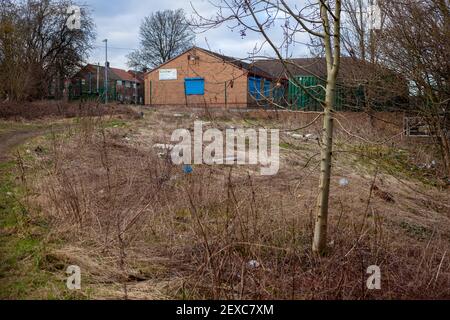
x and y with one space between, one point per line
307 92
80 90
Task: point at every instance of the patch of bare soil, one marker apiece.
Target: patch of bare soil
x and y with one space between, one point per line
12 139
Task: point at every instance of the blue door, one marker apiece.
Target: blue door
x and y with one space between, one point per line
194 86
254 87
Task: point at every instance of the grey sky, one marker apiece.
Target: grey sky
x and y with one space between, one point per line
119 22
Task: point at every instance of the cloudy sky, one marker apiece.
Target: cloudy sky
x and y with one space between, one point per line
119 21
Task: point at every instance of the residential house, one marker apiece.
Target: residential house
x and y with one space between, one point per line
123 86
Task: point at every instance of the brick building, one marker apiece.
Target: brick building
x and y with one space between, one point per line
201 78
360 84
123 86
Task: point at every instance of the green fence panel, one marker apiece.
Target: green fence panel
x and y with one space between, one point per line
85 91
306 93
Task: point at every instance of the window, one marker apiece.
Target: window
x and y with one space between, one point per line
119 82
194 86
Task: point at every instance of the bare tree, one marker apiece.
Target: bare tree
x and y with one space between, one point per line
331 22
355 28
362 23
362 19
414 44
321 20
163 35
37 49
12 52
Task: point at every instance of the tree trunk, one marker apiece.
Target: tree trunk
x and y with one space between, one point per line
332 43
320 234
445 149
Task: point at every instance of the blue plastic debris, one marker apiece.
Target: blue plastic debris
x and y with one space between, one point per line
187 169
344 182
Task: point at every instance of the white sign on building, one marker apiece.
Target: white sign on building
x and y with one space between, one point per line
168 74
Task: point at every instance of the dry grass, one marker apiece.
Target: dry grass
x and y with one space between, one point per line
140 228
58 109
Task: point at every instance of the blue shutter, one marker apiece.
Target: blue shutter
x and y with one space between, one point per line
194 86
254 87
258 88
266 89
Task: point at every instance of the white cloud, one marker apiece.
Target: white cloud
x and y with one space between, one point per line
119 22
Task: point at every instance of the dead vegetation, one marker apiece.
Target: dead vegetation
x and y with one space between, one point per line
59 109
141 228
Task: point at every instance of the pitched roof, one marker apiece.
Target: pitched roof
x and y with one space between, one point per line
138 74
114 74
122 74
251 68
300 66
92 68
351 69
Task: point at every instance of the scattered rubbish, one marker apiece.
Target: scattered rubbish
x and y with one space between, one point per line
28 151
344 182
429 166
187 169
305 137
311 136
296 136
178 115
254 264
9 194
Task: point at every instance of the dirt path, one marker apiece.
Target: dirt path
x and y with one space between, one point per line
12 139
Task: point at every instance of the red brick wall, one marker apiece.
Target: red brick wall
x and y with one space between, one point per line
216 73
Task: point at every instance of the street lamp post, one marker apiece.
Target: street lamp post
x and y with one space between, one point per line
106 70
